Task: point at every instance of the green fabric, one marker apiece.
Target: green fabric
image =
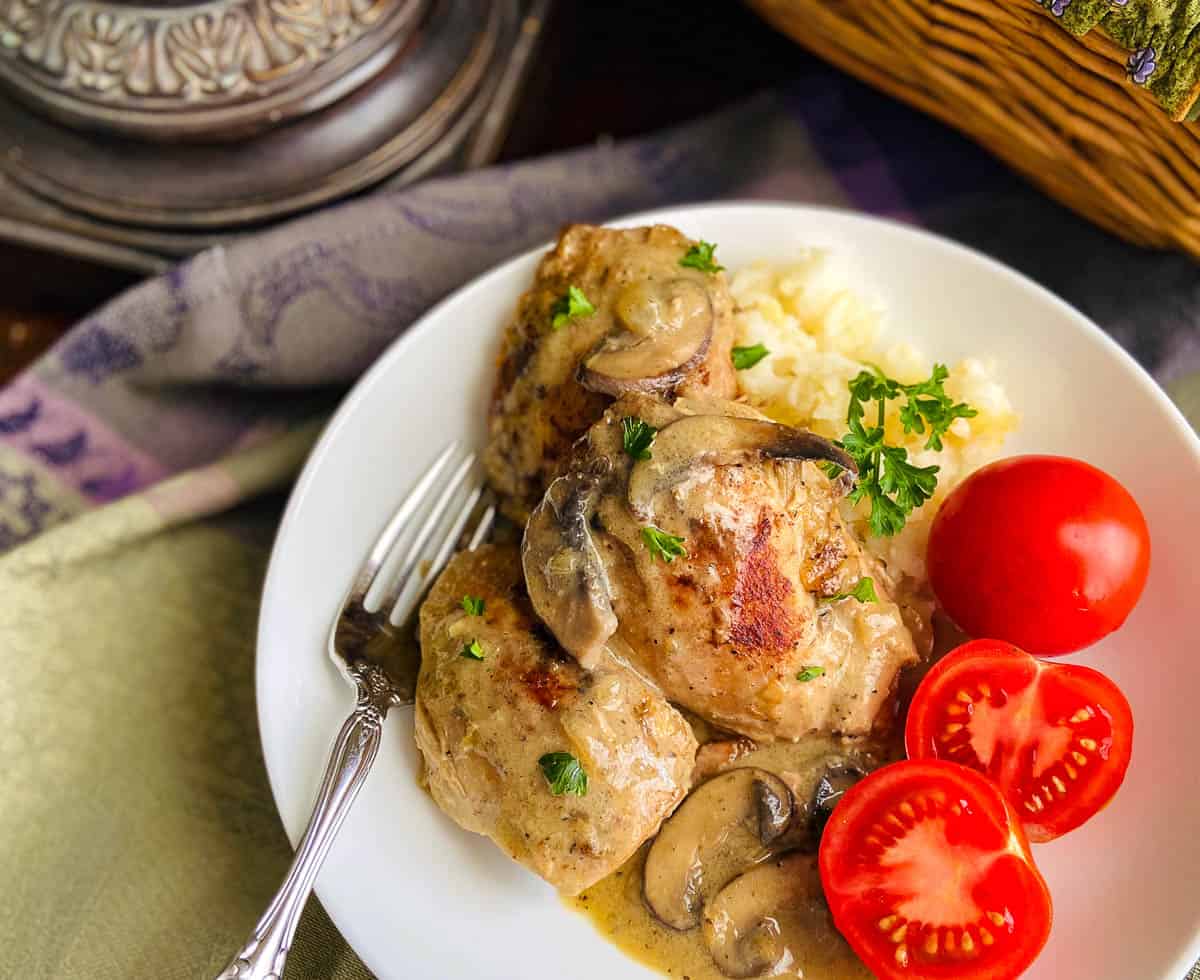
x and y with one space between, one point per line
129 742
1161 36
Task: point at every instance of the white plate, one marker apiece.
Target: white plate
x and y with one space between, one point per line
420 899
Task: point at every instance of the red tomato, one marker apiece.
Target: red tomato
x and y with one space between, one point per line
1046 552
1056 738
929 877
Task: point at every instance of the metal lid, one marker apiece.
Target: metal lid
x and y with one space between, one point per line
446 72
215 71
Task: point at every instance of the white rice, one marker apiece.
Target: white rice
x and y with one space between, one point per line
822 327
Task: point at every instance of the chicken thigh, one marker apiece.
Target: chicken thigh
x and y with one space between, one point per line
482 726
654 325
712 567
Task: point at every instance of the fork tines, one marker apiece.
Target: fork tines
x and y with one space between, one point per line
426 530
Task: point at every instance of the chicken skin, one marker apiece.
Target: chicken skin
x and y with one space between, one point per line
610 311
712 568
483 725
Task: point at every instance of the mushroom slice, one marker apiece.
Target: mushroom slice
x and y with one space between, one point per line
704 832
564 575
668 327
745 924
720 440
830 789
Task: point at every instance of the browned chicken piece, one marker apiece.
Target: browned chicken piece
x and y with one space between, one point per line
483 725
657 327
732 618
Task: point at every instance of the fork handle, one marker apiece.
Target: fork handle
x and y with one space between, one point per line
357 744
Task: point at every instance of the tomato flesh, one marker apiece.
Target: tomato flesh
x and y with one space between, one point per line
929 877
1056 738
1046 552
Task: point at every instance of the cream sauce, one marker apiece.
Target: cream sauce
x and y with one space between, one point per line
814 950
812 947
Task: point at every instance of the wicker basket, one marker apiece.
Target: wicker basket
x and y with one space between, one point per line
1058 108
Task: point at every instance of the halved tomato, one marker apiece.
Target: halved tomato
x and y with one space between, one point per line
1055 737
929 877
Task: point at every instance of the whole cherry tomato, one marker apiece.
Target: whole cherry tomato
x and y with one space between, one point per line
1046 552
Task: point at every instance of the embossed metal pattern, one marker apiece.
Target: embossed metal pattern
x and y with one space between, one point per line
428 112
215 70
401 117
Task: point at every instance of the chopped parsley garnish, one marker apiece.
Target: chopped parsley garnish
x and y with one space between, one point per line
747 357
863 591
886 478
473 605
472 651
564 774
668 547
637 437
810 674
928 404
701 257
570 305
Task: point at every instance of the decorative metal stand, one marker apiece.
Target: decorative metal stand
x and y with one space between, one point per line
135 133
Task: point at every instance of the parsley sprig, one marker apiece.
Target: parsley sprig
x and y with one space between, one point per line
564 774
894 486
472 650
929 403
572 304
473 605
863 591
747 357
637 437
702 257
662 545
810 673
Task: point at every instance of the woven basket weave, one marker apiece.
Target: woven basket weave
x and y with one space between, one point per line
1058 108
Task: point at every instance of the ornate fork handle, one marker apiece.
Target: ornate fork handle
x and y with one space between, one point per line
357 744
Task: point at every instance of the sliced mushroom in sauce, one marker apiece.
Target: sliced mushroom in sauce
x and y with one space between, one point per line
564 575
734 817
746 923
696 441
667 328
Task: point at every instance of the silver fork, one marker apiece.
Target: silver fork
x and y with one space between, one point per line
357 744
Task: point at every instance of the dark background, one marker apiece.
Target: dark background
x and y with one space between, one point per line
615 68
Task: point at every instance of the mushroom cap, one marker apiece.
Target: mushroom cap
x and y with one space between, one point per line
721 440
564 575
742 922
668 326
733 817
